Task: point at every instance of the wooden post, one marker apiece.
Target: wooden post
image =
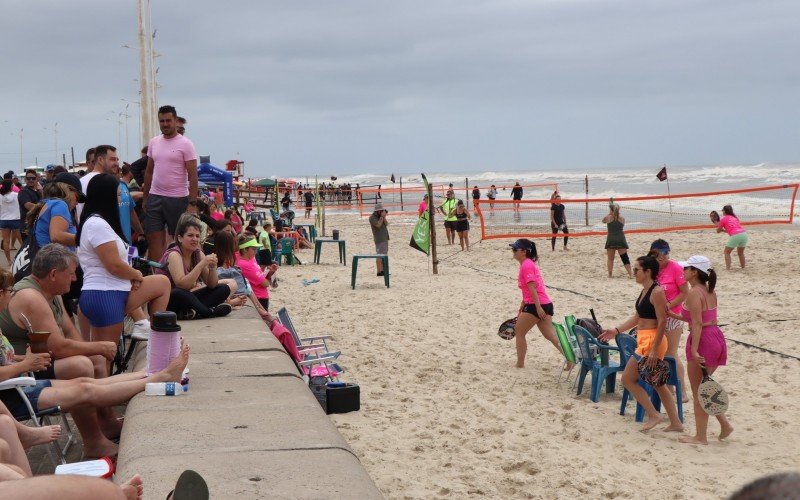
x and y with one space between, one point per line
432 227
466 190
401 195
586 188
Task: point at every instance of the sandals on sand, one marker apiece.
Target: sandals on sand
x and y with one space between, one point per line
190 486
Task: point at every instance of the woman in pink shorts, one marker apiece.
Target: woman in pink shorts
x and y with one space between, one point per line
706 344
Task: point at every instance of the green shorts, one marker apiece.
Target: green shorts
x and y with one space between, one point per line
737 241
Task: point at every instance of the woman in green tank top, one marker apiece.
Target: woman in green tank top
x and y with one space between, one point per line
615 241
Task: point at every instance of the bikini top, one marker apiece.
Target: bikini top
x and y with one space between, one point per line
461 216
644 308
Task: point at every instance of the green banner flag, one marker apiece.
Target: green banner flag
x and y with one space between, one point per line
421 237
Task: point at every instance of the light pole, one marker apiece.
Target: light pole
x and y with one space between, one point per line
138 103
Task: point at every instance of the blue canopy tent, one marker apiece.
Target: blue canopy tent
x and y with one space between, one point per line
217 177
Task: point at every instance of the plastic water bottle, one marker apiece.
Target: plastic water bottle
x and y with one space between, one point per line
165 341
163 389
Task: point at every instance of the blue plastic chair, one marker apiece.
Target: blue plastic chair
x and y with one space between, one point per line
600 372
287 250
627 348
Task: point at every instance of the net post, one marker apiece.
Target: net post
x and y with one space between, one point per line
466 191
432 229
586 189
401 195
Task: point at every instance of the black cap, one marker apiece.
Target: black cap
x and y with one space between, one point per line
521 243
72 182
165 321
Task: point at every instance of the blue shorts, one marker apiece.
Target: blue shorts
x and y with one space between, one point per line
15 224
16 405
103 307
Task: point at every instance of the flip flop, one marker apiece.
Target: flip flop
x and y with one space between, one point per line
190 486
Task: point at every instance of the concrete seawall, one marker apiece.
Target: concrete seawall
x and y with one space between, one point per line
248 425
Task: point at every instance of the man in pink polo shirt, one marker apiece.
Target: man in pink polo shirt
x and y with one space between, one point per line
170 182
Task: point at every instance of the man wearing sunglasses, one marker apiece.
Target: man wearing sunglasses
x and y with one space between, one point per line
28 197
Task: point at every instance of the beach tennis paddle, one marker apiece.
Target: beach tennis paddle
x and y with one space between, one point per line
714 217
506 330
713 397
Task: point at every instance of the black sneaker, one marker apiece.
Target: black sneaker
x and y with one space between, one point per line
221 310
187 314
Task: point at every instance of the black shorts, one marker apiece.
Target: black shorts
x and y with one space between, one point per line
450 224
48 374
531 309
462 225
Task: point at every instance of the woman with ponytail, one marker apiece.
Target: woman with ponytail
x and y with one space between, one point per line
737 236
706 346
536 308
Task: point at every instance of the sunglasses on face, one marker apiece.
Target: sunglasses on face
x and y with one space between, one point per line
636 270
30 178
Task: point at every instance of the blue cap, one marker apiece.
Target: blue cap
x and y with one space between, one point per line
521 244
49 168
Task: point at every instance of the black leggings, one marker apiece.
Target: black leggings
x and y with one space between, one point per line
555 231
201 301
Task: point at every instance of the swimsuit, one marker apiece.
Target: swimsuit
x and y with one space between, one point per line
646 337
712 341
644 308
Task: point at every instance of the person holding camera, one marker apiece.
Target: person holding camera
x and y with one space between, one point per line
380 233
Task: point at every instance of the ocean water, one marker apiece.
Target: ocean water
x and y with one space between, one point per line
604 183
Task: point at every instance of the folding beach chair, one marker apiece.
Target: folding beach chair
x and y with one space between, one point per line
12 388
286 320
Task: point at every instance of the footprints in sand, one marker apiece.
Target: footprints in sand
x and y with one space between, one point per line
524 467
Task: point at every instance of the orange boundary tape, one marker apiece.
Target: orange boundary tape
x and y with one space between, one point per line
484 236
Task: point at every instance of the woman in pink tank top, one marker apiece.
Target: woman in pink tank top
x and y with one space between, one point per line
706 344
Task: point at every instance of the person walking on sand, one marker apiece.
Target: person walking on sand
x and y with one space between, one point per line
670 277
737 235
706 346
615 241
462 225
448 209
650 318
536 308
423 205
558 220
516 195
380 234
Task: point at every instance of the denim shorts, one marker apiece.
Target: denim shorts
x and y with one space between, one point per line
103 307
16 405
14 224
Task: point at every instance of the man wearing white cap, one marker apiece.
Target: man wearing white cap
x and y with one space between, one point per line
380 233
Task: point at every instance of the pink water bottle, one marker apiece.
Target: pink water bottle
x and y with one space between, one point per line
165 341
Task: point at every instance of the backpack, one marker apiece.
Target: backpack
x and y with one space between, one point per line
590 326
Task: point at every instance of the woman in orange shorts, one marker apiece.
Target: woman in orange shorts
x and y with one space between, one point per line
650 319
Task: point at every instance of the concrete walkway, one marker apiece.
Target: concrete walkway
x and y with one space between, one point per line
248 425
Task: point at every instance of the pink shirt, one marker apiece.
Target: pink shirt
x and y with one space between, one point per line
252 273
529 272
169 165
670 277
217 215
14 188
731 225
423 206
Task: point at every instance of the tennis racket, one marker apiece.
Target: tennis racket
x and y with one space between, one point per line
506 330
713 397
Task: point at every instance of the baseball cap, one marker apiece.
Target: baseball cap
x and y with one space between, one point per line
49 168
521 243
72 182
378 207
698 262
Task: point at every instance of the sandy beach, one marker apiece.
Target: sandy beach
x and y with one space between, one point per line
445 414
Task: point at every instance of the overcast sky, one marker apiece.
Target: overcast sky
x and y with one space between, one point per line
356 86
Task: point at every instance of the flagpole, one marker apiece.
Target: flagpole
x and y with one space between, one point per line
668 192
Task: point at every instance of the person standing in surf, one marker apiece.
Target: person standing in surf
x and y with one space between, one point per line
536 308
516 195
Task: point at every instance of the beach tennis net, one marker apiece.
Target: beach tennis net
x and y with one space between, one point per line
643 214
405 200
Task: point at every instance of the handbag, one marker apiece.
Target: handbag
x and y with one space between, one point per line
23 261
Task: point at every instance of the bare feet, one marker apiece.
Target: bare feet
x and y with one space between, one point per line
111 427
174 371
103 448
651 422
519 366
691 440
132 488
32 436
673 428
569 366
725 432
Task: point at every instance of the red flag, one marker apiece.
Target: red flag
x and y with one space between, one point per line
392 178
662 174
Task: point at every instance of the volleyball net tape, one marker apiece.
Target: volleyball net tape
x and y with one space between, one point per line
404 201
530 218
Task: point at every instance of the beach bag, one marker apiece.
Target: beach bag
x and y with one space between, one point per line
23 261
656 376
591 326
